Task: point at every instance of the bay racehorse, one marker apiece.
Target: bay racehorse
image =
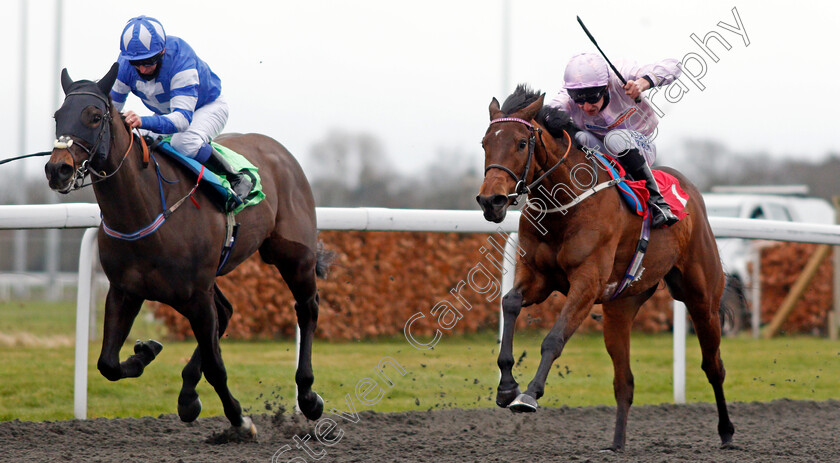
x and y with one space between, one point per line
585 250
178 263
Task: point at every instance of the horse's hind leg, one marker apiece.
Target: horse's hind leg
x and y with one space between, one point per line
296 264
189 405
701 292
618 321
120 311
204 321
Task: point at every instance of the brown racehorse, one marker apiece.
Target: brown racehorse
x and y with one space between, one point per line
585 252
177 264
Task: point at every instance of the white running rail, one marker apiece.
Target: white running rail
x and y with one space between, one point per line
86 215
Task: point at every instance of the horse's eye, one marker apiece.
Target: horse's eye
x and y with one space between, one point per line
522 144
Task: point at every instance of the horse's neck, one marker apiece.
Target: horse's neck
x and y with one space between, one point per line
130 197
568 180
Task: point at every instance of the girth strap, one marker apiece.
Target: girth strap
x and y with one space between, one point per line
232 229
635 269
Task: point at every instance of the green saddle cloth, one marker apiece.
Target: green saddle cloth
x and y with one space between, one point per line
221 184
240 163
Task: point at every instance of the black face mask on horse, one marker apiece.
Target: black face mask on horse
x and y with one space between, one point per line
85 116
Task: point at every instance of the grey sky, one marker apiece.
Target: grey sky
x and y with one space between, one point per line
420 75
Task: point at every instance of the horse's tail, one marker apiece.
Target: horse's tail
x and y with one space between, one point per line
323 259
733 300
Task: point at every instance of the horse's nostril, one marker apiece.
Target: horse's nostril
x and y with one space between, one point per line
65 171
499 200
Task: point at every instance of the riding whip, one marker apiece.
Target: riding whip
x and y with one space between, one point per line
638 98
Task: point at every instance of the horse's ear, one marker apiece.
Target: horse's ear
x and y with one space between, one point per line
107 82
532 109
66 81
495 110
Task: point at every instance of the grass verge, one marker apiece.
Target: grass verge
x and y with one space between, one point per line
36 383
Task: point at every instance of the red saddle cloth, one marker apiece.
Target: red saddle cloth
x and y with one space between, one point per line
670 188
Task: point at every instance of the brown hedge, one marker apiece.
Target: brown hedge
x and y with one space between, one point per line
379 280
781 265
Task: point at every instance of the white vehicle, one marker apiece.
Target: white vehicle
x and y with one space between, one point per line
787 203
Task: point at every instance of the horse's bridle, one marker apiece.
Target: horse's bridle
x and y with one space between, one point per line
521 187
84 169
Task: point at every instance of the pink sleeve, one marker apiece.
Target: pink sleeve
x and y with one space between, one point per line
561 101
661 73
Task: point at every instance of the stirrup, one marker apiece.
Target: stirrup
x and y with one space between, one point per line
662 216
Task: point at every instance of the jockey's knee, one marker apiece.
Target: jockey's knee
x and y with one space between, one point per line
618 142
187 143
588 140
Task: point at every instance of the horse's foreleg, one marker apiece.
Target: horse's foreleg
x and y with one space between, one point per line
189 405
529 288
618 321
120 311
578 304
508 387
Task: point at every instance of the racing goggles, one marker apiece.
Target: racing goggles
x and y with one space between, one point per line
587 95
150 61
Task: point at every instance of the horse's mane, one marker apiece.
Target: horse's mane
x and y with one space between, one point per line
555 120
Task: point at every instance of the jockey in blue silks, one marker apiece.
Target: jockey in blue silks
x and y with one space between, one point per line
180 89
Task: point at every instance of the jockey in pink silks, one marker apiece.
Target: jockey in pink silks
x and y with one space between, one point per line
609 118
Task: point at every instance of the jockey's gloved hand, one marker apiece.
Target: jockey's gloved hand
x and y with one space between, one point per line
555 121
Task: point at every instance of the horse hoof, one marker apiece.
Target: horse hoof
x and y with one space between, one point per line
246 432
726 442
505 397
611 450
311 409
189 412
150 348
523 404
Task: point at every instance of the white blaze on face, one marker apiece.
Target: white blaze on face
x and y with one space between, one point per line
497 132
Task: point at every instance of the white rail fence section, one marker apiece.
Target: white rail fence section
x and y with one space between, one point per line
85 215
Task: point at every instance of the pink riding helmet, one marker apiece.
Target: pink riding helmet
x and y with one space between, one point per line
586 70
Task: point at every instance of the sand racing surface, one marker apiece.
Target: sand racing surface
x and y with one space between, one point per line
782 430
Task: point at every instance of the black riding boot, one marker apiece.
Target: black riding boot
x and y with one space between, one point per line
635 165
240 183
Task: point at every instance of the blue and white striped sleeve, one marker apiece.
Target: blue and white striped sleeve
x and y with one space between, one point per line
183 93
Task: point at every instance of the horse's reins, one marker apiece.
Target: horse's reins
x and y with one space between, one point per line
65 142
521 187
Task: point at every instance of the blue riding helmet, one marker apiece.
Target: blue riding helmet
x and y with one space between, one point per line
143 37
